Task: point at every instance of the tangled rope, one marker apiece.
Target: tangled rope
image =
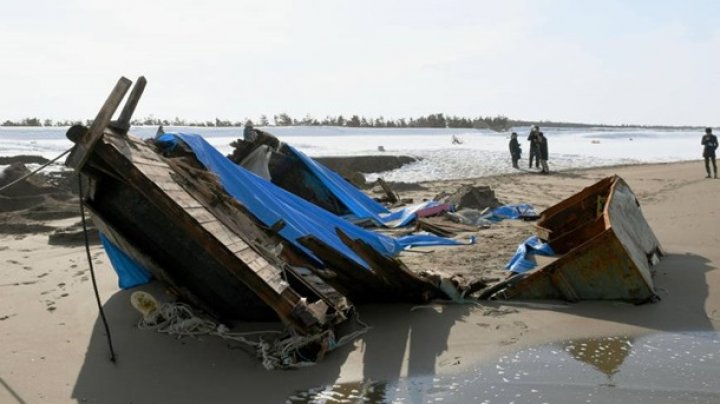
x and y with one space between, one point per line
281 352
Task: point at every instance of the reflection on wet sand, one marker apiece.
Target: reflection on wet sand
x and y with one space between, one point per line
653 369
604 354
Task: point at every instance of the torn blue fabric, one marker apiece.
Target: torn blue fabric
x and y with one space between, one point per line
270 204
130 273
521 261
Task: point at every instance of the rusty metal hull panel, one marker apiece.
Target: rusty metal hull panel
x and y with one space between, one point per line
605 244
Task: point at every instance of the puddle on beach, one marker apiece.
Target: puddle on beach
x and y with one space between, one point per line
657 368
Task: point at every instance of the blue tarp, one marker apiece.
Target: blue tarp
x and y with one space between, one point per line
516 211
361 205
521 262
270 204
130 273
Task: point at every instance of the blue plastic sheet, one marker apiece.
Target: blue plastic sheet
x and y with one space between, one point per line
130 273
521 262
361 205
513 211
270 204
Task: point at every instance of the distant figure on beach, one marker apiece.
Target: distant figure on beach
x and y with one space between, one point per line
532 138
515 150
710 143
456 140
542 152
249 134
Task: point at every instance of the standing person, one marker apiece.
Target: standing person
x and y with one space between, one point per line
710 143
515 150
532 138
542 146
249 134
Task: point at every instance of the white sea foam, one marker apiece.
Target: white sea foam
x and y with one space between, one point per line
481 153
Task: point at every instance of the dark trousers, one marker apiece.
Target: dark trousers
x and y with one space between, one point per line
534 154
707 165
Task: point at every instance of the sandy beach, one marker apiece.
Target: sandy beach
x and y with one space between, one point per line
53 345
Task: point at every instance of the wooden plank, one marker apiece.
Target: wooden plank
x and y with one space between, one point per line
238 246
183 199
139 159
85 146
123 122
274 280
201 215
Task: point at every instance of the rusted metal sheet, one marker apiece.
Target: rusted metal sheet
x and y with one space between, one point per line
606 248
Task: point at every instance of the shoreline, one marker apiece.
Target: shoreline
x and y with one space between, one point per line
52 335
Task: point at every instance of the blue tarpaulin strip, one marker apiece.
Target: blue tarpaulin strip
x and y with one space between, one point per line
521 262
130 273
270 203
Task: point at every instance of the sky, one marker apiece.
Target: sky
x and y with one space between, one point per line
654 62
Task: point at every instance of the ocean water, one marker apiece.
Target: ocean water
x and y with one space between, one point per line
481 153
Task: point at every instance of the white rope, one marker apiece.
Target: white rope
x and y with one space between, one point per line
283 352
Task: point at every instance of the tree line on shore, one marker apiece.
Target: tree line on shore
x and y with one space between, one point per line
497 123
430 121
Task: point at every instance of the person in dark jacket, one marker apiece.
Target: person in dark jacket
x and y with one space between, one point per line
249 134
542 150
515 150
532 138
710 144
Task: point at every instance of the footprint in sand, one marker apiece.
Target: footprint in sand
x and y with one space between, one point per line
27 268
47 291
509 341
73 266
43 275
61 284
50 305
13 262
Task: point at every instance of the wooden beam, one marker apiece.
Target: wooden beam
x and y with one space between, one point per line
86 144
123 122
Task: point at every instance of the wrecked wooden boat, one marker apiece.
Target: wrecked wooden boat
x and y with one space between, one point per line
168 214
605 247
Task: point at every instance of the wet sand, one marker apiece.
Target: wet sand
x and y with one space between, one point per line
54 346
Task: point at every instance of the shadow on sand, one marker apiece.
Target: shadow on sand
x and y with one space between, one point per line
152 367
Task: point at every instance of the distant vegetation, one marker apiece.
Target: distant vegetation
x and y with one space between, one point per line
497 123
